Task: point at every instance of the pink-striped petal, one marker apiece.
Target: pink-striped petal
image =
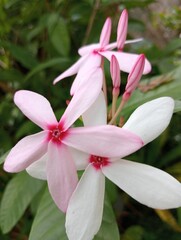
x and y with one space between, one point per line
26 151
150 119
98 109
122 29
126 60
84 213
148 185
72 70
115 72
36 107
83 98
104 141
105 33
38 168
61 174
91 63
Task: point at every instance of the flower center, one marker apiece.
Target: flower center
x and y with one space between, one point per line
99 162
56 133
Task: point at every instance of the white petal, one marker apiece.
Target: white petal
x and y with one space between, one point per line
36 107
81 159
84 213
97 113
61 174
71 70
38 168
148 185
26 151
83 98
150 119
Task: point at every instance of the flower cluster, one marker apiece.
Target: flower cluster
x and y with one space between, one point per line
98 147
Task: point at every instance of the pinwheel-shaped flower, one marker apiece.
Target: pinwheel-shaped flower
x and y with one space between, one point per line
146 184
92 55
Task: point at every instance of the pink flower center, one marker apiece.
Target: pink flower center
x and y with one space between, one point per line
99 162
56 133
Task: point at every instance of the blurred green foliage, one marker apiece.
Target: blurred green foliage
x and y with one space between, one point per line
39 40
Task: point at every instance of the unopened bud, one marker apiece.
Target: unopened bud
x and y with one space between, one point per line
105 33
115 75
122 29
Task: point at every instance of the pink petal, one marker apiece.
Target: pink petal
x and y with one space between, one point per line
146 184
105 33
72 70
83 98
61 174
126 60
88 49
35 107
115 72
25 152
122 29
38 168
98 109
92 62
104 141
113 45
84 213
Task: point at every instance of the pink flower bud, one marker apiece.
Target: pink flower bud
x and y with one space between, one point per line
134 76
122 29
115 75
105 33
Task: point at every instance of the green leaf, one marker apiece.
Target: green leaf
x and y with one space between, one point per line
109 229
59 35
62 62
133 233
17 196
177 106
49 221
3 157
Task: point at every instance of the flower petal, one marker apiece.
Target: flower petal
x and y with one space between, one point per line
81 159
105 33
150 119
83 98
25 152
114 44
126 60
148 185
36 107
104 141
38 168
72 70
88 49
84 213
91 63
61 174
98 109
122 29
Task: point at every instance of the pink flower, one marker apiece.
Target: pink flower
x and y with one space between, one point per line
92 55
52 146
146 184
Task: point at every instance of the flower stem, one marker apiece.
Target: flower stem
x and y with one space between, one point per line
117 112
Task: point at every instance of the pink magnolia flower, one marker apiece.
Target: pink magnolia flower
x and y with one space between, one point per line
92 55
52 145
148 185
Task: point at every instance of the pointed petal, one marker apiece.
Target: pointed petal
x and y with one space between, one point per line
126 60
71 70
26 151
98 109
84 213
114 44
83 98
148 185
88 49
61 174
105 33
81 159
122 29
150 119
38 168
104 141
36 107
92 62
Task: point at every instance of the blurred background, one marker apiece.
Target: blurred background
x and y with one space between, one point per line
39 39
